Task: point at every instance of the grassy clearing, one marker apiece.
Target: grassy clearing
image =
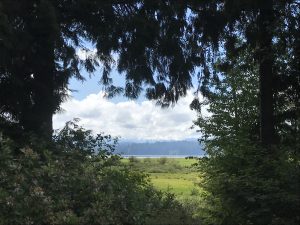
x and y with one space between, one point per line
179 184
177 176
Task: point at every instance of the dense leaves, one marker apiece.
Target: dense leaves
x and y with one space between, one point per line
248 53
40 39
74 186
156 45
252 95
269 30
245 184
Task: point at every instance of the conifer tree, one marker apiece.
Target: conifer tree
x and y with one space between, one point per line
159 44
269 29
39 40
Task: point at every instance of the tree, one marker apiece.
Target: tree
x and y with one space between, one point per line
242 182
159 44
250 178
39 40
261 26
232 105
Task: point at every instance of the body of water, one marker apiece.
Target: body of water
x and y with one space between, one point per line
160 156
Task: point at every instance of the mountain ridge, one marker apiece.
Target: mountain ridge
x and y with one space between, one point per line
185 147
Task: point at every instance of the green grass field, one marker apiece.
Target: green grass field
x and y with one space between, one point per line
177 176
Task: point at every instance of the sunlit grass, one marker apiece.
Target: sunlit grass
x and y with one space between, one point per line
181 184
175 175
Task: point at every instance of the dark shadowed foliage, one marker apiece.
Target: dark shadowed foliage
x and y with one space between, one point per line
75 186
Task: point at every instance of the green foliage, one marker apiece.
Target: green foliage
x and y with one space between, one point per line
194 191
72 185
133 159
244 182
73 137
177 176
39 53
247 186
147 160
269 31
162 160
233 105
160 165
181 184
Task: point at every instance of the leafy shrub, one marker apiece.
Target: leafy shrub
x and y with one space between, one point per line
195 191
162 160
147 160
133 159
248 186
76 181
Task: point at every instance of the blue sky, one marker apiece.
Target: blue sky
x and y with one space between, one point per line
91 85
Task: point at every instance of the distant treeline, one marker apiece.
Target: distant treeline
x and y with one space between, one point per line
160 148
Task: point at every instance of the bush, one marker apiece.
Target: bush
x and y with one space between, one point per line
133 159
194 192
147 160
162 160
250 186
76 182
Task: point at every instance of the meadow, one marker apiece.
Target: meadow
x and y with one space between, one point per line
175 175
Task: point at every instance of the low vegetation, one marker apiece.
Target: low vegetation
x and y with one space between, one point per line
241 57
178 176
76 181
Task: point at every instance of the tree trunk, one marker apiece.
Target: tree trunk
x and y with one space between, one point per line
267 125
37 117
43 108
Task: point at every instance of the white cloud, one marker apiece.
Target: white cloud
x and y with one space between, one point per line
83 54
129 119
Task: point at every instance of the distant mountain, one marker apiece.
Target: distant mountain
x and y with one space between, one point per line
189 147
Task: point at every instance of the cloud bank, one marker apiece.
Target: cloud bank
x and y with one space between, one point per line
130 120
